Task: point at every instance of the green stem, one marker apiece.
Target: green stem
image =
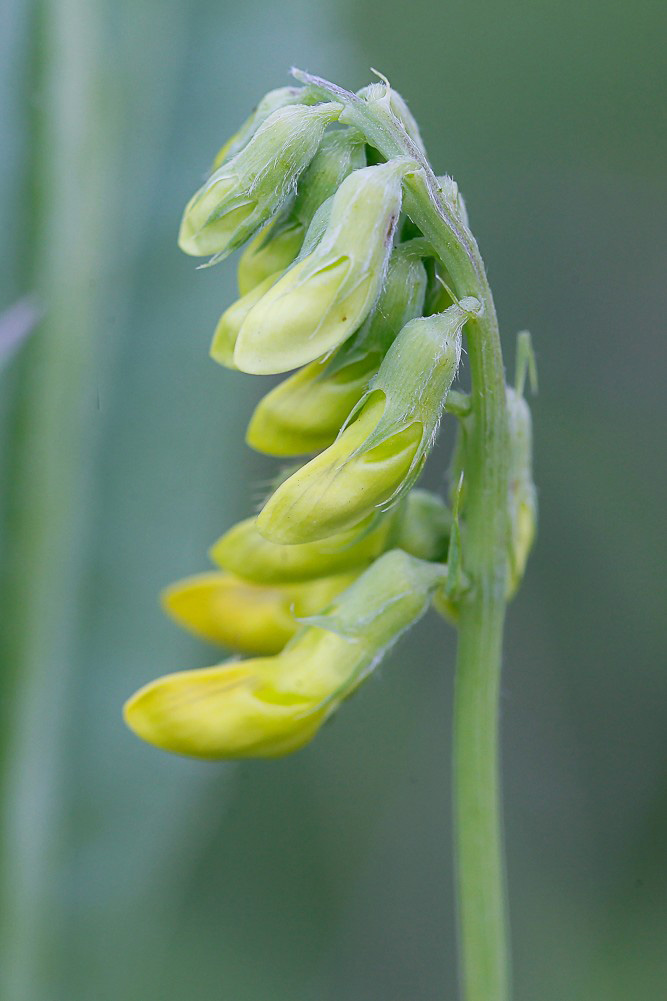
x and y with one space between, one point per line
480 867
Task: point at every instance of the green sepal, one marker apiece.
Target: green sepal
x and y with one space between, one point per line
340 153
383 98
453 199
281 97
277 246
385 600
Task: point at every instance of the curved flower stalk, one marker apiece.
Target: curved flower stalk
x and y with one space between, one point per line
364 279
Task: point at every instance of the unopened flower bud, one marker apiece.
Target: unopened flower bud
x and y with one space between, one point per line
380 452
281 97
383 98
245 191
244 616
272 250
270 706
340 153
243 550
275 247
227 330
344 484
326 295
424 528
305 412
522 494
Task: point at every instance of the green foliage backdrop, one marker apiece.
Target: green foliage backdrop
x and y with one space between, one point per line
130 875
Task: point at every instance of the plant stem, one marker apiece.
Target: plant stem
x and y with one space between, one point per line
480 867
480 870
479 853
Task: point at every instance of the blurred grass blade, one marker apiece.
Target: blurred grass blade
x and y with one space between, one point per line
44 479
16 323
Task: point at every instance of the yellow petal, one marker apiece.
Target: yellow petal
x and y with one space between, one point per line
229 324
305 412
247 617
219 712
338 489
267 255
243 550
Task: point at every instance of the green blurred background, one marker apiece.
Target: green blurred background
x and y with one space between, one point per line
133 876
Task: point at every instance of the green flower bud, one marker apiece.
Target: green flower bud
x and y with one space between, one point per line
420 526
275 99
276 246
272 250
243 550
522 498
382 97
340 154
424 528
244 616
343 485
243 193
380 452
328 293
231 321
271 706
305 412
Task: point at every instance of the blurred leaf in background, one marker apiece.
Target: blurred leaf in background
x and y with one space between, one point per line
128 874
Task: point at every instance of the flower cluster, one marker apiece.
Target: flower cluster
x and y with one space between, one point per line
338 287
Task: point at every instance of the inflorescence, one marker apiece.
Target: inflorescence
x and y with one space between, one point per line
337 282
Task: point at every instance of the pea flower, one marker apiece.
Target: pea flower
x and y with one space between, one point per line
270 252
281 97
275 247
305 412
227 329
269 706
380 451
245 616
243 550
420 526
245 191
326 295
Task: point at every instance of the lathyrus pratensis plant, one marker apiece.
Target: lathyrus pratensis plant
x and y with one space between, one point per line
360 274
